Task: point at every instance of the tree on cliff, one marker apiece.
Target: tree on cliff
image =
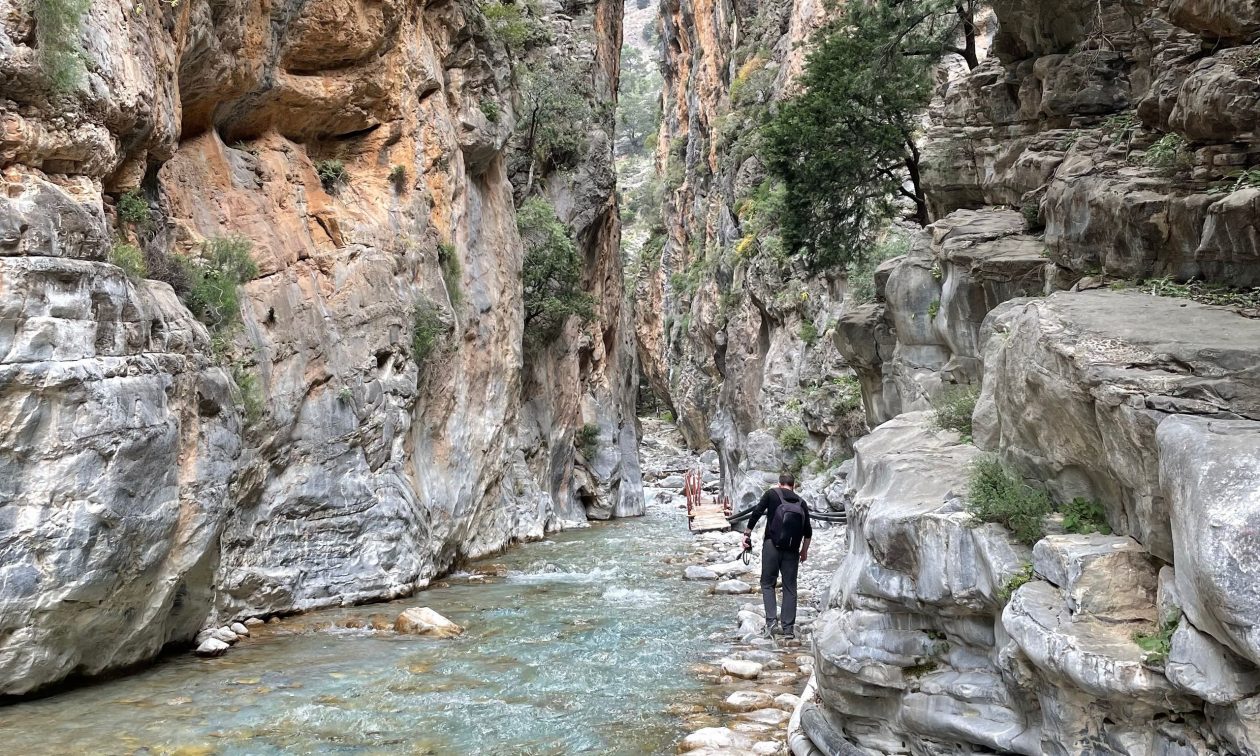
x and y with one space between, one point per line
845 145
552 272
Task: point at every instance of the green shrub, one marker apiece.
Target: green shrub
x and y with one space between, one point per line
332 174
953 410
667 417
1085 516
452 272
934 308
997 495
1168 152
250 399
398 177
1025 575
511 24
793 437
427 329
587 440
809 332
1207 293
133 208
847 390
214 281
1032 216
1120 127
490 109
1157 643
860 273
552 272
58 28
130 259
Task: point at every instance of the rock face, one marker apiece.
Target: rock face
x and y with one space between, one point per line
732 334
944 637
158 476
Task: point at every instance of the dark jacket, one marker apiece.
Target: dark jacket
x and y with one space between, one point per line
770 503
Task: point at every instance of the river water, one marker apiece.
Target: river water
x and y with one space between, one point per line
578 644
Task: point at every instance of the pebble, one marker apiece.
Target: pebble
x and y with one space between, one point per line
747 670
732 587
212 647
696 572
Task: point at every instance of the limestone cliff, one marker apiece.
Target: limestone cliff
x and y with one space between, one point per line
1090 168
733 333
377 416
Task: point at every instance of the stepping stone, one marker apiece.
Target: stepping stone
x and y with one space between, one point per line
746 670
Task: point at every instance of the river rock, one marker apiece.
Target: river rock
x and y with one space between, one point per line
211 647
746 700
717 738
766 747
787 701
421 620
254 622
239 628
225 634
696 572
767 716
747 670
732 587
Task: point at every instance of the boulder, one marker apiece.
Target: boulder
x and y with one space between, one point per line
716 738
732 587
240 629
421 620
1201 666
224 634
1110 577
768 716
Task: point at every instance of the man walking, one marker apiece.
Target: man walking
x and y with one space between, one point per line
786 545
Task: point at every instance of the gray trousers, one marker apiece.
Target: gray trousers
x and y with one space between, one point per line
775 563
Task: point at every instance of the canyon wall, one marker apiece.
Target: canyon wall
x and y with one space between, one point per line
733 333
1079 178
379 413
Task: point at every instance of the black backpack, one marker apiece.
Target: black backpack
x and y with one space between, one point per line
788 525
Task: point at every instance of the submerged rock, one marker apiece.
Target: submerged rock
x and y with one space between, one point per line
421 620
746 700
211 647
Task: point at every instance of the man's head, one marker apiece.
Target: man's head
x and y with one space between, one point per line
787 480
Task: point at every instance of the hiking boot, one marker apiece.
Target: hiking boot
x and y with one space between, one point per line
789 633
773 628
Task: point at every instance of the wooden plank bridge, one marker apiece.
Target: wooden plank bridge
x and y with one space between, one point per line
707 507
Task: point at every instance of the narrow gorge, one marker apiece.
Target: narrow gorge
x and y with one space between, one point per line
320 316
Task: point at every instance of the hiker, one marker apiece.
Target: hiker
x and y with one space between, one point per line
786 545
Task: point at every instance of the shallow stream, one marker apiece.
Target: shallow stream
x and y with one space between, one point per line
578 644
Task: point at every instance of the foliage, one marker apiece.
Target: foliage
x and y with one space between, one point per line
997 495
332 174
249 396
1239 180
847 391
554 116
427 329
345 395
57 32
398 177
638 101
130 259
514 24
490 109
1012 584
934 308
1157 643
214 281
667 417
860 273
953 410
845 145
1120 127
793 437
809 332
1032 216
1085 516
1169 152
1206 293
452 272
133 208
587 440
552 271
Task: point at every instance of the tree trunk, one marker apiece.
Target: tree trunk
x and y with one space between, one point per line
967 14
912 165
